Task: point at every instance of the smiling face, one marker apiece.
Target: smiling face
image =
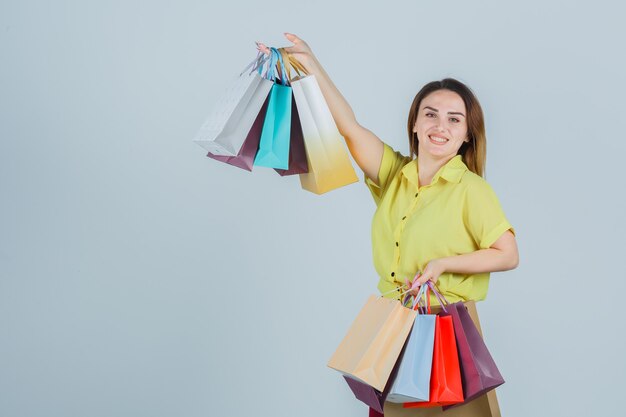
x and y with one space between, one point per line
441 124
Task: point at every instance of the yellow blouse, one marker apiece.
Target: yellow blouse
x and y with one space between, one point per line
457 213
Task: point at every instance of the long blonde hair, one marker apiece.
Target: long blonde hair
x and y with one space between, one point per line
474 152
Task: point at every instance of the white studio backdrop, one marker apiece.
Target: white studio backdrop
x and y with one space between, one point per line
140 278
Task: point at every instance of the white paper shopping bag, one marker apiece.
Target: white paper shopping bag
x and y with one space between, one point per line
227 126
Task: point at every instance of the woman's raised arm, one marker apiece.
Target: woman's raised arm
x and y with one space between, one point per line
366 148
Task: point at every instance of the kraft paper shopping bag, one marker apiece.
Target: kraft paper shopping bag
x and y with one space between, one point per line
370 349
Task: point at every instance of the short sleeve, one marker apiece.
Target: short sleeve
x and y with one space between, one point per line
483 215
391 163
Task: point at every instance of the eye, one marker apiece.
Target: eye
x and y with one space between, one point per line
430 114
454 119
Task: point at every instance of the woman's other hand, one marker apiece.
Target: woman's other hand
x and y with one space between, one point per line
433 270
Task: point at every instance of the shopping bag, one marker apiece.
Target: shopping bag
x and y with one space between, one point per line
370 349
368 395
479 372
228 124
275 137
445 378
371 396
247 153
327 157
484 406
412 382
297 153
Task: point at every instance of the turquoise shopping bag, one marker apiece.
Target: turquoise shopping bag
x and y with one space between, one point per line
412 381
276 134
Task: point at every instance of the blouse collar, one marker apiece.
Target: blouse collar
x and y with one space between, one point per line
451 171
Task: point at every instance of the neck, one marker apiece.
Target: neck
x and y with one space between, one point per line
427 167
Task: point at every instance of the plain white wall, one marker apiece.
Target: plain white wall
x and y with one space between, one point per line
140 278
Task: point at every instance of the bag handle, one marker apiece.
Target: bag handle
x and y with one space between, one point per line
293 63
288 66
423 306
440 297
256 64
281 70
394 290
298 65
270 74
407 297
417 299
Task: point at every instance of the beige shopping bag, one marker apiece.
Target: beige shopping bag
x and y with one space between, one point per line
373 344
483 406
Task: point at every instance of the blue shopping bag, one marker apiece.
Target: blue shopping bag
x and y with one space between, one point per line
412 381
276 134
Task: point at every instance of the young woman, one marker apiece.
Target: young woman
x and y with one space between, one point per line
437 219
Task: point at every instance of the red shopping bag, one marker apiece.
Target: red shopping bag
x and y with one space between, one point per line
445 379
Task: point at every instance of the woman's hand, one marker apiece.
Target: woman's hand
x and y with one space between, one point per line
300 50
366 148
433 270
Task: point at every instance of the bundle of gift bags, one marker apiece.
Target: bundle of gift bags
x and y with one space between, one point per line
402 353
274 115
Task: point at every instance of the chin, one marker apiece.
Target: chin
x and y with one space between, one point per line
437 152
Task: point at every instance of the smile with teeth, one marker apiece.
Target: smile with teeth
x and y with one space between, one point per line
438 140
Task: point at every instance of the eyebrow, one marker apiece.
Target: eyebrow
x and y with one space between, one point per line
450 112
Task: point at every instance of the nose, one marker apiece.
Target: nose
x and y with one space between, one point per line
440 123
